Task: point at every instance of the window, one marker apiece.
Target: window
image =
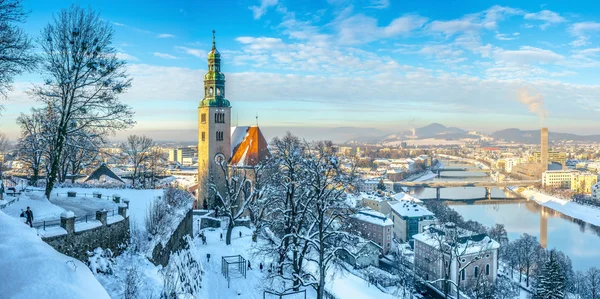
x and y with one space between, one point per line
476 272
203 118
203 136
462 275
487 269
211 91
219 136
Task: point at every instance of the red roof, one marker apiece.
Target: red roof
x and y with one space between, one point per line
251 150
491 148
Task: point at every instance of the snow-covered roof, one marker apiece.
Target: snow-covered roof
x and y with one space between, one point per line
408 209
372 216
375 196
252 148
30 268
467 241
402 196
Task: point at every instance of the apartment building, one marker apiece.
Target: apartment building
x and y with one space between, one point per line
409 219
373 226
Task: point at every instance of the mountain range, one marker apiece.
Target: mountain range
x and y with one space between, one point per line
439 131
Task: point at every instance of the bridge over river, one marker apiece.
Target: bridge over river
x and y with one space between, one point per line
488 185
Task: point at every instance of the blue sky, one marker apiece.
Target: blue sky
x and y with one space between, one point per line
389 65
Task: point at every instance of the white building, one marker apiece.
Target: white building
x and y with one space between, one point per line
370 185
463 256
558 178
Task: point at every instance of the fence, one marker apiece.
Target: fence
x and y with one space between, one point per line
90 195
43 224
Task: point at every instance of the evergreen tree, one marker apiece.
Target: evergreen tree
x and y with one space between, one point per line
381 185
551 281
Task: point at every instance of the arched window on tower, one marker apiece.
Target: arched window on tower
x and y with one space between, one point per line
218 91
210 91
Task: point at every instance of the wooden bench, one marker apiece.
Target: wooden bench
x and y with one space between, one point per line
12 192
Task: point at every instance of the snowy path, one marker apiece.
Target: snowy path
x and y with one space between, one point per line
214 282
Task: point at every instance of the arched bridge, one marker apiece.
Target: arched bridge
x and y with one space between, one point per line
454 184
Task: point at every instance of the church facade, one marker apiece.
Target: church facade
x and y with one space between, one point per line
219 144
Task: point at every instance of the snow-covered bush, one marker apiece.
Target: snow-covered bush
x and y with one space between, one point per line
183 275
101 261
132 283
159 210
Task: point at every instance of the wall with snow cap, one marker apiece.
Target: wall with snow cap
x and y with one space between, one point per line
161 253
89 236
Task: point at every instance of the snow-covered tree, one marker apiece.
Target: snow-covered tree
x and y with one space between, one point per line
83 78
528 251
589 284
326 186
137 149
237 195
182 277
15 46
305 209
551 281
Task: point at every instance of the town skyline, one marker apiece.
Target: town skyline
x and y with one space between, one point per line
464 66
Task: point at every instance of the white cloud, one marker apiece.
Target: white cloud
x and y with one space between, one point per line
528 55
194 52
259 11
581 32
379 4
165 35
502 36
358 29
164 55
549 18
126 56
471 23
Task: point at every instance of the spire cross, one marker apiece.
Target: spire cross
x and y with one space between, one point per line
214 39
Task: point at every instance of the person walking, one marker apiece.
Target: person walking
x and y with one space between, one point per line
240 234
29 216
249 267
260 266
221 236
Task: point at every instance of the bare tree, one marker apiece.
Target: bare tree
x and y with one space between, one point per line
15 46
528 250
32 146
154 166
235 200
137 149
83 78
590 284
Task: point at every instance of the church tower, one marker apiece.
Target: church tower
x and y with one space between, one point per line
214 130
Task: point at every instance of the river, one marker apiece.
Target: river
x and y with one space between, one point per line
580 241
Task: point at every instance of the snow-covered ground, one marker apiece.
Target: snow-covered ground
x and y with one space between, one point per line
41 207
30 268
587 214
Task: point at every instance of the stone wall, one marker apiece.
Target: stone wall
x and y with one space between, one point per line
160 254
114 236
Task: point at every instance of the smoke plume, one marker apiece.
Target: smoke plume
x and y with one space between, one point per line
533 101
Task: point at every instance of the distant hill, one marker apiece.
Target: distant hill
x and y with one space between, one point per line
436 129
533 136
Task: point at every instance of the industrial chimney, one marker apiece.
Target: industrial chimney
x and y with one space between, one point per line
544 149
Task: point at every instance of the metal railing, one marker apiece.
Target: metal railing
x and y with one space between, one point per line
90 195
43 224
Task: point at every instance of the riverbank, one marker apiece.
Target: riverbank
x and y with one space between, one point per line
587 214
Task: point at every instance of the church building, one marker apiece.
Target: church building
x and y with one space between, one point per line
218 141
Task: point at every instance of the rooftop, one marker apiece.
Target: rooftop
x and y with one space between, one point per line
408 209
372 216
